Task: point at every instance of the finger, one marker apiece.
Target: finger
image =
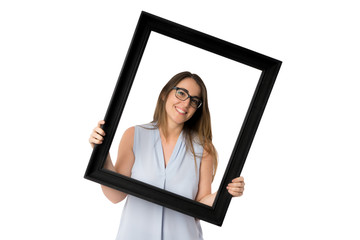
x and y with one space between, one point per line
236 184
101 122
99 127
235 189
97 136
235 194
238 179
99 131
93 140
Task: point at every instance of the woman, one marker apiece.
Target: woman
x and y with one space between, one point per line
173 152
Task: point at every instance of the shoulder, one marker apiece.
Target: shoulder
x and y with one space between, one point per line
128 136
129 132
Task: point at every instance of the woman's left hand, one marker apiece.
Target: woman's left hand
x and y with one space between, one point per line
236 187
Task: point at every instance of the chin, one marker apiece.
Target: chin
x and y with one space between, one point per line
180 121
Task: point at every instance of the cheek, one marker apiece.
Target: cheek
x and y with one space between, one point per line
191 113
169 107
169 104
171 100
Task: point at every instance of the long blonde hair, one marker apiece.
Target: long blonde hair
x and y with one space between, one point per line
198 125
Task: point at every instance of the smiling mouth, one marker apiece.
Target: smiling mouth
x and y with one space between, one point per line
180 111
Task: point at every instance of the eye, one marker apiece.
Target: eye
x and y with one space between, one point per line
181 93
195 101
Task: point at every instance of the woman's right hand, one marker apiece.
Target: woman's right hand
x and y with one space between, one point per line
97 135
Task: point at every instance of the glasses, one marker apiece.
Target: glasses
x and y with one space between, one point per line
183 94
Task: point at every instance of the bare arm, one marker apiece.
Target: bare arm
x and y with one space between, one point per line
204 190
124 162
204 195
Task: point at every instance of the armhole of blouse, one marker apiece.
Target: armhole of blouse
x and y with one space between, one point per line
135 137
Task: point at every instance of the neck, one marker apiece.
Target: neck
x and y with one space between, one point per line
173 131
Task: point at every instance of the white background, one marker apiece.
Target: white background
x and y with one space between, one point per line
59 62
230 87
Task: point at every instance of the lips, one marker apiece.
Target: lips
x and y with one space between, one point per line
180 110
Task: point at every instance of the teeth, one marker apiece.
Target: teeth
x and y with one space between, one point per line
180 110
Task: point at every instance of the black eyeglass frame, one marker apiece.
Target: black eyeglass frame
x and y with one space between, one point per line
189 96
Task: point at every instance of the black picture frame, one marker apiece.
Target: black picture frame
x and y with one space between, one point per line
269 68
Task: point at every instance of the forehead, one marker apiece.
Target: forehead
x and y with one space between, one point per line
190 85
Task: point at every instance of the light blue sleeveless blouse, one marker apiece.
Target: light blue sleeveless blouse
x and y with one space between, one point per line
143 220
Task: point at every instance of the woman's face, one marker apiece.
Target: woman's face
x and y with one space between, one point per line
179 111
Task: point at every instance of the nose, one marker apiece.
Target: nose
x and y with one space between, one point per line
187 102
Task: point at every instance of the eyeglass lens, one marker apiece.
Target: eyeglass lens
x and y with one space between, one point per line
183 95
